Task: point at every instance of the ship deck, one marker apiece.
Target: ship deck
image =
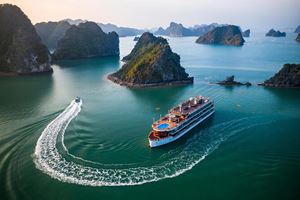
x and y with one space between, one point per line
178 114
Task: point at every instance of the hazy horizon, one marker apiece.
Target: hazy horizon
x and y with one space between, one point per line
253 14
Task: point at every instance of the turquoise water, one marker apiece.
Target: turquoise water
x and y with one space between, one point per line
250 148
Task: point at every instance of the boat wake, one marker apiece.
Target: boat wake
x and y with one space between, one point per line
48 159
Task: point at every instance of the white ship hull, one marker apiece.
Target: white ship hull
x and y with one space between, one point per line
163 141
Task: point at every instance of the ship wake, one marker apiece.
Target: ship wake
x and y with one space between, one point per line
48 159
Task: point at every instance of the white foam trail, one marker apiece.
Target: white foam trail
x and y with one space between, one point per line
50 161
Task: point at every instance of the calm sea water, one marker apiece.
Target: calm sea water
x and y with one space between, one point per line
250 148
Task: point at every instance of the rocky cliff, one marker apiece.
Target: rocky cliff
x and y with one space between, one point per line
151 63
86 40
21 50
229 81
224 35
288 76
273 33
52 32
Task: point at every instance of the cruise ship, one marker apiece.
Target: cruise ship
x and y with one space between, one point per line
180 120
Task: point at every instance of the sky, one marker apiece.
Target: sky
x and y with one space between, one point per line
254 14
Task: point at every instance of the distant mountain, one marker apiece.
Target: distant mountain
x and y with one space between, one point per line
52 32
199 30
121 31
246 33
151 63
224 35
86 40
178 30
21 49
74 21
297 30
273 33
160 31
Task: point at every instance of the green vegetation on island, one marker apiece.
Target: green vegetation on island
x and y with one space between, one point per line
86 40
21 50
151 63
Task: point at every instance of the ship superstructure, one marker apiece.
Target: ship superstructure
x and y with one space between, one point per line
180 120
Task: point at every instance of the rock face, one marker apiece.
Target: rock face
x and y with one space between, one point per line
151 63
52 32
246 33
298 37
178 30
297 30
288 76
229 81
273 33
224 35
21 50
86 40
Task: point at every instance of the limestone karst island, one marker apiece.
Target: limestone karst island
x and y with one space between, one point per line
149 99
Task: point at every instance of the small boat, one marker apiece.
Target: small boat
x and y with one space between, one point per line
180 120
77 99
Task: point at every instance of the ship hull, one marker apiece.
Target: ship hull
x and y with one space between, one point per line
167 140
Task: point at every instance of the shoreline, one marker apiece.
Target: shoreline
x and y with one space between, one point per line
160 84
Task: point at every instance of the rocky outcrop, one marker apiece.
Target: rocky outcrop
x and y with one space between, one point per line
86 40
21 50
52 32
273 33
224 35
151 63
229 81
178 30
288 76
246 33
298 37
136 38
297 30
